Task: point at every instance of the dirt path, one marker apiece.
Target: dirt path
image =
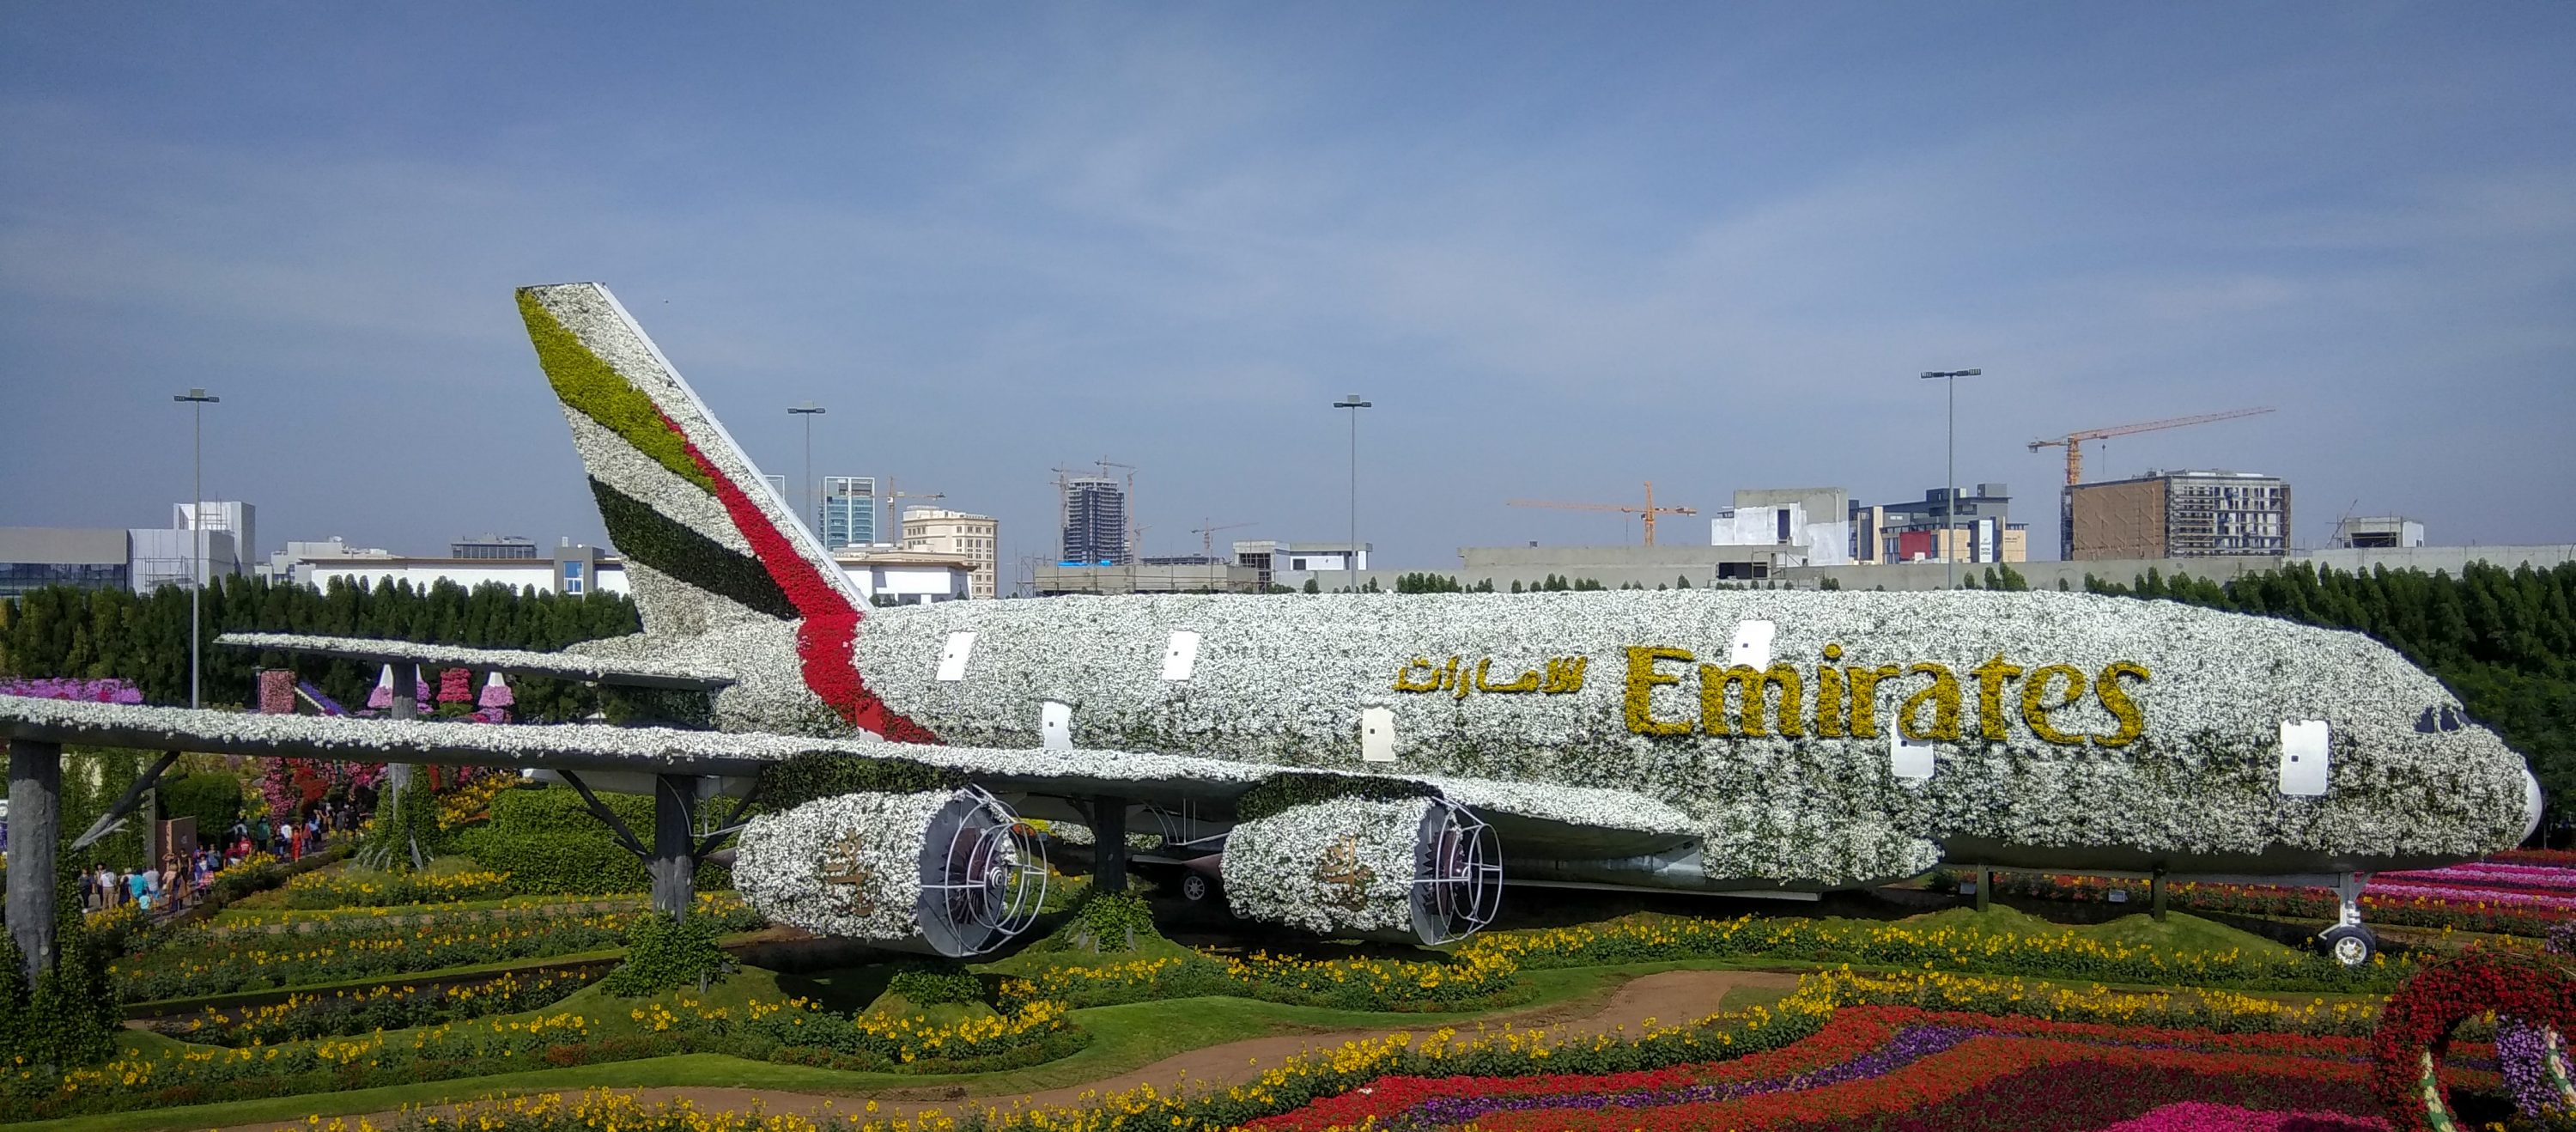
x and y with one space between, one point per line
1666 996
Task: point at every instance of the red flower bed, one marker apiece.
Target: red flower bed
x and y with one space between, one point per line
2415 1029
1895 1067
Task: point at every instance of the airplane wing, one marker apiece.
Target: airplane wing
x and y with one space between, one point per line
1556 821
630 672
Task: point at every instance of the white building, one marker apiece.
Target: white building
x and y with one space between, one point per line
572 569
1811 526
907 577
976 538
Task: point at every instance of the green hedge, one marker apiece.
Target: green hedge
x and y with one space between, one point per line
549 842
213 799
1298 788
806 778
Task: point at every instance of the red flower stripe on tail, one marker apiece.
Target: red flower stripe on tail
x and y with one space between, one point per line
827 636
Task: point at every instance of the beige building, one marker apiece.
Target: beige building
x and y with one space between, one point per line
971 537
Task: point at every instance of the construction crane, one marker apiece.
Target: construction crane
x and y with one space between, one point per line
2073 442
1649 510
1206 530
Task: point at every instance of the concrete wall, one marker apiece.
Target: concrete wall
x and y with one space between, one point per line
2045 575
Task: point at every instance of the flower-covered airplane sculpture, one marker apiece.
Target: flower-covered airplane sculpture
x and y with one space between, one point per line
1370 764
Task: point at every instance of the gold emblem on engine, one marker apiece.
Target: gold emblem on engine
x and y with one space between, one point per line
1341 868
843 868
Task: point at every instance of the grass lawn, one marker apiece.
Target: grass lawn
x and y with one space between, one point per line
1123 1038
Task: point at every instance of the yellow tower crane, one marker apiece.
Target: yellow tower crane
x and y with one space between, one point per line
1649 510
2073 442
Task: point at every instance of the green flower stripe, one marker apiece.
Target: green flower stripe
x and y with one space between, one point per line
1282 792
595 389
656 540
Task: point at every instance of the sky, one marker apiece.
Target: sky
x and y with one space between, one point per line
1562 248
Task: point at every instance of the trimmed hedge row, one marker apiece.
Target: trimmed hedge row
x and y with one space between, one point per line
549 843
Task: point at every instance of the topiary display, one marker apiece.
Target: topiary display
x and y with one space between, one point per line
813 777
668 953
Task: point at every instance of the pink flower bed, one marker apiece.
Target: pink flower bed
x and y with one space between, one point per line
2195 1116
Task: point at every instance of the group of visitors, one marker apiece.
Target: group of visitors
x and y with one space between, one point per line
184 878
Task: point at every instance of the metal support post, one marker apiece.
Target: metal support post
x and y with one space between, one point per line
674 863
2156 893
1109 843
1985 888
35 819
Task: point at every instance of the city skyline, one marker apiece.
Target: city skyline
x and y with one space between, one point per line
1560 255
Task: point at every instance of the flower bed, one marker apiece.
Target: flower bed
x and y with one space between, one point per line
189 965
2441 898
1365 984
314 891
385 1007
1873 1065
2063 954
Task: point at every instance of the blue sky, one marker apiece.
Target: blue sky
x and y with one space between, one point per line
1564 248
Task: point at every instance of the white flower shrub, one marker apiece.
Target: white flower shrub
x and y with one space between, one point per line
846 866
1339 867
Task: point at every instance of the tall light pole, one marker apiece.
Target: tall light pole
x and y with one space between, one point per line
1352 559
813 494
1950 484
197 400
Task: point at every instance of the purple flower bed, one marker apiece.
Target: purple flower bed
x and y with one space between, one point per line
67 688
2490 895
1910 1045
2482 873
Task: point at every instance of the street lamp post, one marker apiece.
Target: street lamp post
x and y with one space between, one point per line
196 400
1351 556
1950 483
813 495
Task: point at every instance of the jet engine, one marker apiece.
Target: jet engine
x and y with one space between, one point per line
948 872
1410 870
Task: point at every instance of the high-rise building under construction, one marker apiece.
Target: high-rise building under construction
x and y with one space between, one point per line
1095 522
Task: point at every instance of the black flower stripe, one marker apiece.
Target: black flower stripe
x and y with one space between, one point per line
656 540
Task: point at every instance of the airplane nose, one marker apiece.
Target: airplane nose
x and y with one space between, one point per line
2530 803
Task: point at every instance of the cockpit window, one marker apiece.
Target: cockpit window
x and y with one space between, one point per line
2440 717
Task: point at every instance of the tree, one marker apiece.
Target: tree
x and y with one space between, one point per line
1312 586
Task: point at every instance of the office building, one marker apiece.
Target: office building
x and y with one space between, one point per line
141 559
1812 523
849 511
492 546
1269 558
2187 514
1095 523
32 558
1947 524
976 538
2383 532
281 564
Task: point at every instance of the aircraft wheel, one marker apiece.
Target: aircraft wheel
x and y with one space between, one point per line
2349 944
1197 887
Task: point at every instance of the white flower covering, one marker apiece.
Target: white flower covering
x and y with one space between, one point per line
1339 867
1282 681
846 866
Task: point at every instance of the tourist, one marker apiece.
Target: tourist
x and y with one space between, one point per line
137 890
261 837
107 890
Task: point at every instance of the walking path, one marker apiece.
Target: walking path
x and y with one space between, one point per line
1665 996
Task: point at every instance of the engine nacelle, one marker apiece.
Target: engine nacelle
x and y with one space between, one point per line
1412 870
949 872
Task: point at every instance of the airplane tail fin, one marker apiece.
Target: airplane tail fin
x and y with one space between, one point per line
707 543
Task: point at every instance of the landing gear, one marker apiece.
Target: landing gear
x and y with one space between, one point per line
1197 887
2348 942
